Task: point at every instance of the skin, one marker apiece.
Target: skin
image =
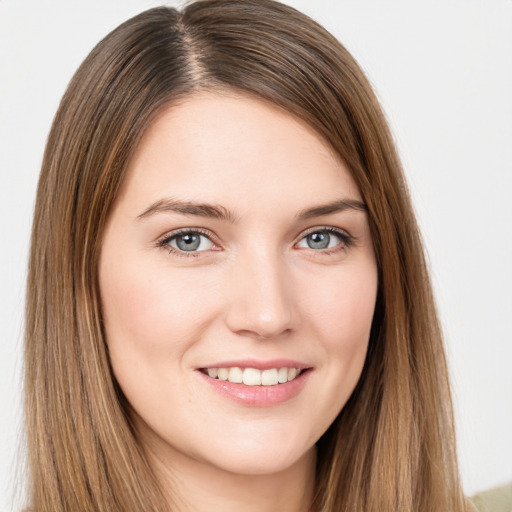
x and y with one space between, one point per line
255 288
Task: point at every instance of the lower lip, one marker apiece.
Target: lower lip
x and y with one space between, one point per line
259 396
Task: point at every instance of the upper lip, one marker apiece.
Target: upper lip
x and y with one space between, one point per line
259 364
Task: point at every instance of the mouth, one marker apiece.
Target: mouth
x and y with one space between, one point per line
254 376
266 385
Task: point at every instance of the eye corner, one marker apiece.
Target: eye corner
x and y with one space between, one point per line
201 241
325 245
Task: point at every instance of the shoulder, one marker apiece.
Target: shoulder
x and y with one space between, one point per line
498 499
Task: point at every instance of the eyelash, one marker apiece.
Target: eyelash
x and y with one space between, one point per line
166 239
346 240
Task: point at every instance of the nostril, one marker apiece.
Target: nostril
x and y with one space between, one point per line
270 335
264 335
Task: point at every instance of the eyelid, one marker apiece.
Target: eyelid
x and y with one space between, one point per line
163 241
346 238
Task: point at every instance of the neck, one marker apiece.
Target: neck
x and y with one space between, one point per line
198 487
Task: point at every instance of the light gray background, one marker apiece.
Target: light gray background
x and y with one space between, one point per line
443 71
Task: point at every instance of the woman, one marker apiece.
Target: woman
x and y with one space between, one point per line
227 299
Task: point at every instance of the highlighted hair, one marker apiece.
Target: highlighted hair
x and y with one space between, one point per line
392 446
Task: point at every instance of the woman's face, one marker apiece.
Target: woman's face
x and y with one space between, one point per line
238 249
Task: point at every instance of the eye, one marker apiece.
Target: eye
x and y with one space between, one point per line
187 241
323 239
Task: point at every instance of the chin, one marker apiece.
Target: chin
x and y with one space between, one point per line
250 457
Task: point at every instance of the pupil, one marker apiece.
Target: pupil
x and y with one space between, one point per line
318 240
188 242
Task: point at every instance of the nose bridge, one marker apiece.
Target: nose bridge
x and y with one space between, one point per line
261 300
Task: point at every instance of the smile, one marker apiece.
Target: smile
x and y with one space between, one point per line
270 384
253 376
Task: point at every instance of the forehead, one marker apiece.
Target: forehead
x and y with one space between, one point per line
227 147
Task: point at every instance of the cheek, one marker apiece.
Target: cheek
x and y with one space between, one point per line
342 309
152 312
341 314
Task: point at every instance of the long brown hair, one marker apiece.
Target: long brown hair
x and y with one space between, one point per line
392 446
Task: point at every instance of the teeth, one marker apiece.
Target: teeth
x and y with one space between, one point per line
292 373
269 377
223 374
254 377
235 375
282 375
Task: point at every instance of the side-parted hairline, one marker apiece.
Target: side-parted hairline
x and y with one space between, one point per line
392 446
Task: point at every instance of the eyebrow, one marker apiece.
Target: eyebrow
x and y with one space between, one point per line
220 212
189 208
334 207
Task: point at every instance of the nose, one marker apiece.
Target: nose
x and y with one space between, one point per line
261 299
